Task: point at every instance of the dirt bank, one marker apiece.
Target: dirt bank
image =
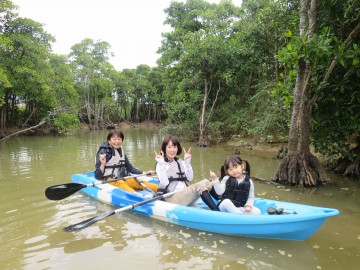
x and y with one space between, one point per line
252 143
256 145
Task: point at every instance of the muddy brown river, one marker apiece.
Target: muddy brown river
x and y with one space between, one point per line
31 226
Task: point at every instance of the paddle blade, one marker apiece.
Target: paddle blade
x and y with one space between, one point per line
86 223
63 191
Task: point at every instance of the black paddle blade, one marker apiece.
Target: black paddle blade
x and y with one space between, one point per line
86 223
63 191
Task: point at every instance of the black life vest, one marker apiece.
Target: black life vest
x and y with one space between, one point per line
237 193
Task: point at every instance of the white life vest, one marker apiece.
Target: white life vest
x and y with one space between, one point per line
176 174
115 166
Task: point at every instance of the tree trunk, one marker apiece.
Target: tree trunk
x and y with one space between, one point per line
202 142
214 102
24 130
300 167
276 64
2 120
137 111
95 115
29 117
12 110
3 114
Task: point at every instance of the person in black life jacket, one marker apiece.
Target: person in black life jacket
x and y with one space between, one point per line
112 163
236 189
175 174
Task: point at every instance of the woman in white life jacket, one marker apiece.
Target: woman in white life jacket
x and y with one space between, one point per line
175 174
236 189
112 163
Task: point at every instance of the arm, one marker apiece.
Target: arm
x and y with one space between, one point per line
100 165
130 168
187 162
189 170
220 186
251 198
161 172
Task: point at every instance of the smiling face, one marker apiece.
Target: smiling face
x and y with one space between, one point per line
171 150
171 147
235 170
115 141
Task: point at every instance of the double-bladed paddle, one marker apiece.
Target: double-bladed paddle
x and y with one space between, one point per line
62 191
144 186
90 221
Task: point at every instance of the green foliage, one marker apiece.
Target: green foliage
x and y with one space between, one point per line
229 48
262 114
93 77
214 131
285 88
66 123
183 104
238 62
334 58
336 121
25 69
187 130
267 117
172 129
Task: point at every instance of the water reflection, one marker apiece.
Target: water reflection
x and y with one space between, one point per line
31 226
184 248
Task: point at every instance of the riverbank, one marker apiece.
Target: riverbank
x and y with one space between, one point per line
276 149
251 142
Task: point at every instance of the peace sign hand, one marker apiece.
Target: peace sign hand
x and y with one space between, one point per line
159 156
187 154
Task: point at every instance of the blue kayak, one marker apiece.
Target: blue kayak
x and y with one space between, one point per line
298 221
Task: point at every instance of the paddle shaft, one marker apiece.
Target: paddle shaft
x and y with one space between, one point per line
62 191
115 180
90 221
132 206
143 185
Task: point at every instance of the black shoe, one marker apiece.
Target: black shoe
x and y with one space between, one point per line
207 199
214 194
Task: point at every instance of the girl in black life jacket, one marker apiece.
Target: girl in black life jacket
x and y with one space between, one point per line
236 189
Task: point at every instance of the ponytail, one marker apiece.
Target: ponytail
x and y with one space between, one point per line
246 167
222 172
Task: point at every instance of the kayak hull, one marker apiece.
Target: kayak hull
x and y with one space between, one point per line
298 223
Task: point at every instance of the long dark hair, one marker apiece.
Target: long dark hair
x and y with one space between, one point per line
174 141
235 160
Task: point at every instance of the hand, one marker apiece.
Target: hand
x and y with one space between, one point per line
213 176
102 158
151 172
247 208
187 154
159 156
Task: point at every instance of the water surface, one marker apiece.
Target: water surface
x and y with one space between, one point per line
31 226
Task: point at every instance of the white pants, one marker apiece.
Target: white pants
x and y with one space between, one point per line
227 206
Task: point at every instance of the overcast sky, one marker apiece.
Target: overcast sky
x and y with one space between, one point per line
132 27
